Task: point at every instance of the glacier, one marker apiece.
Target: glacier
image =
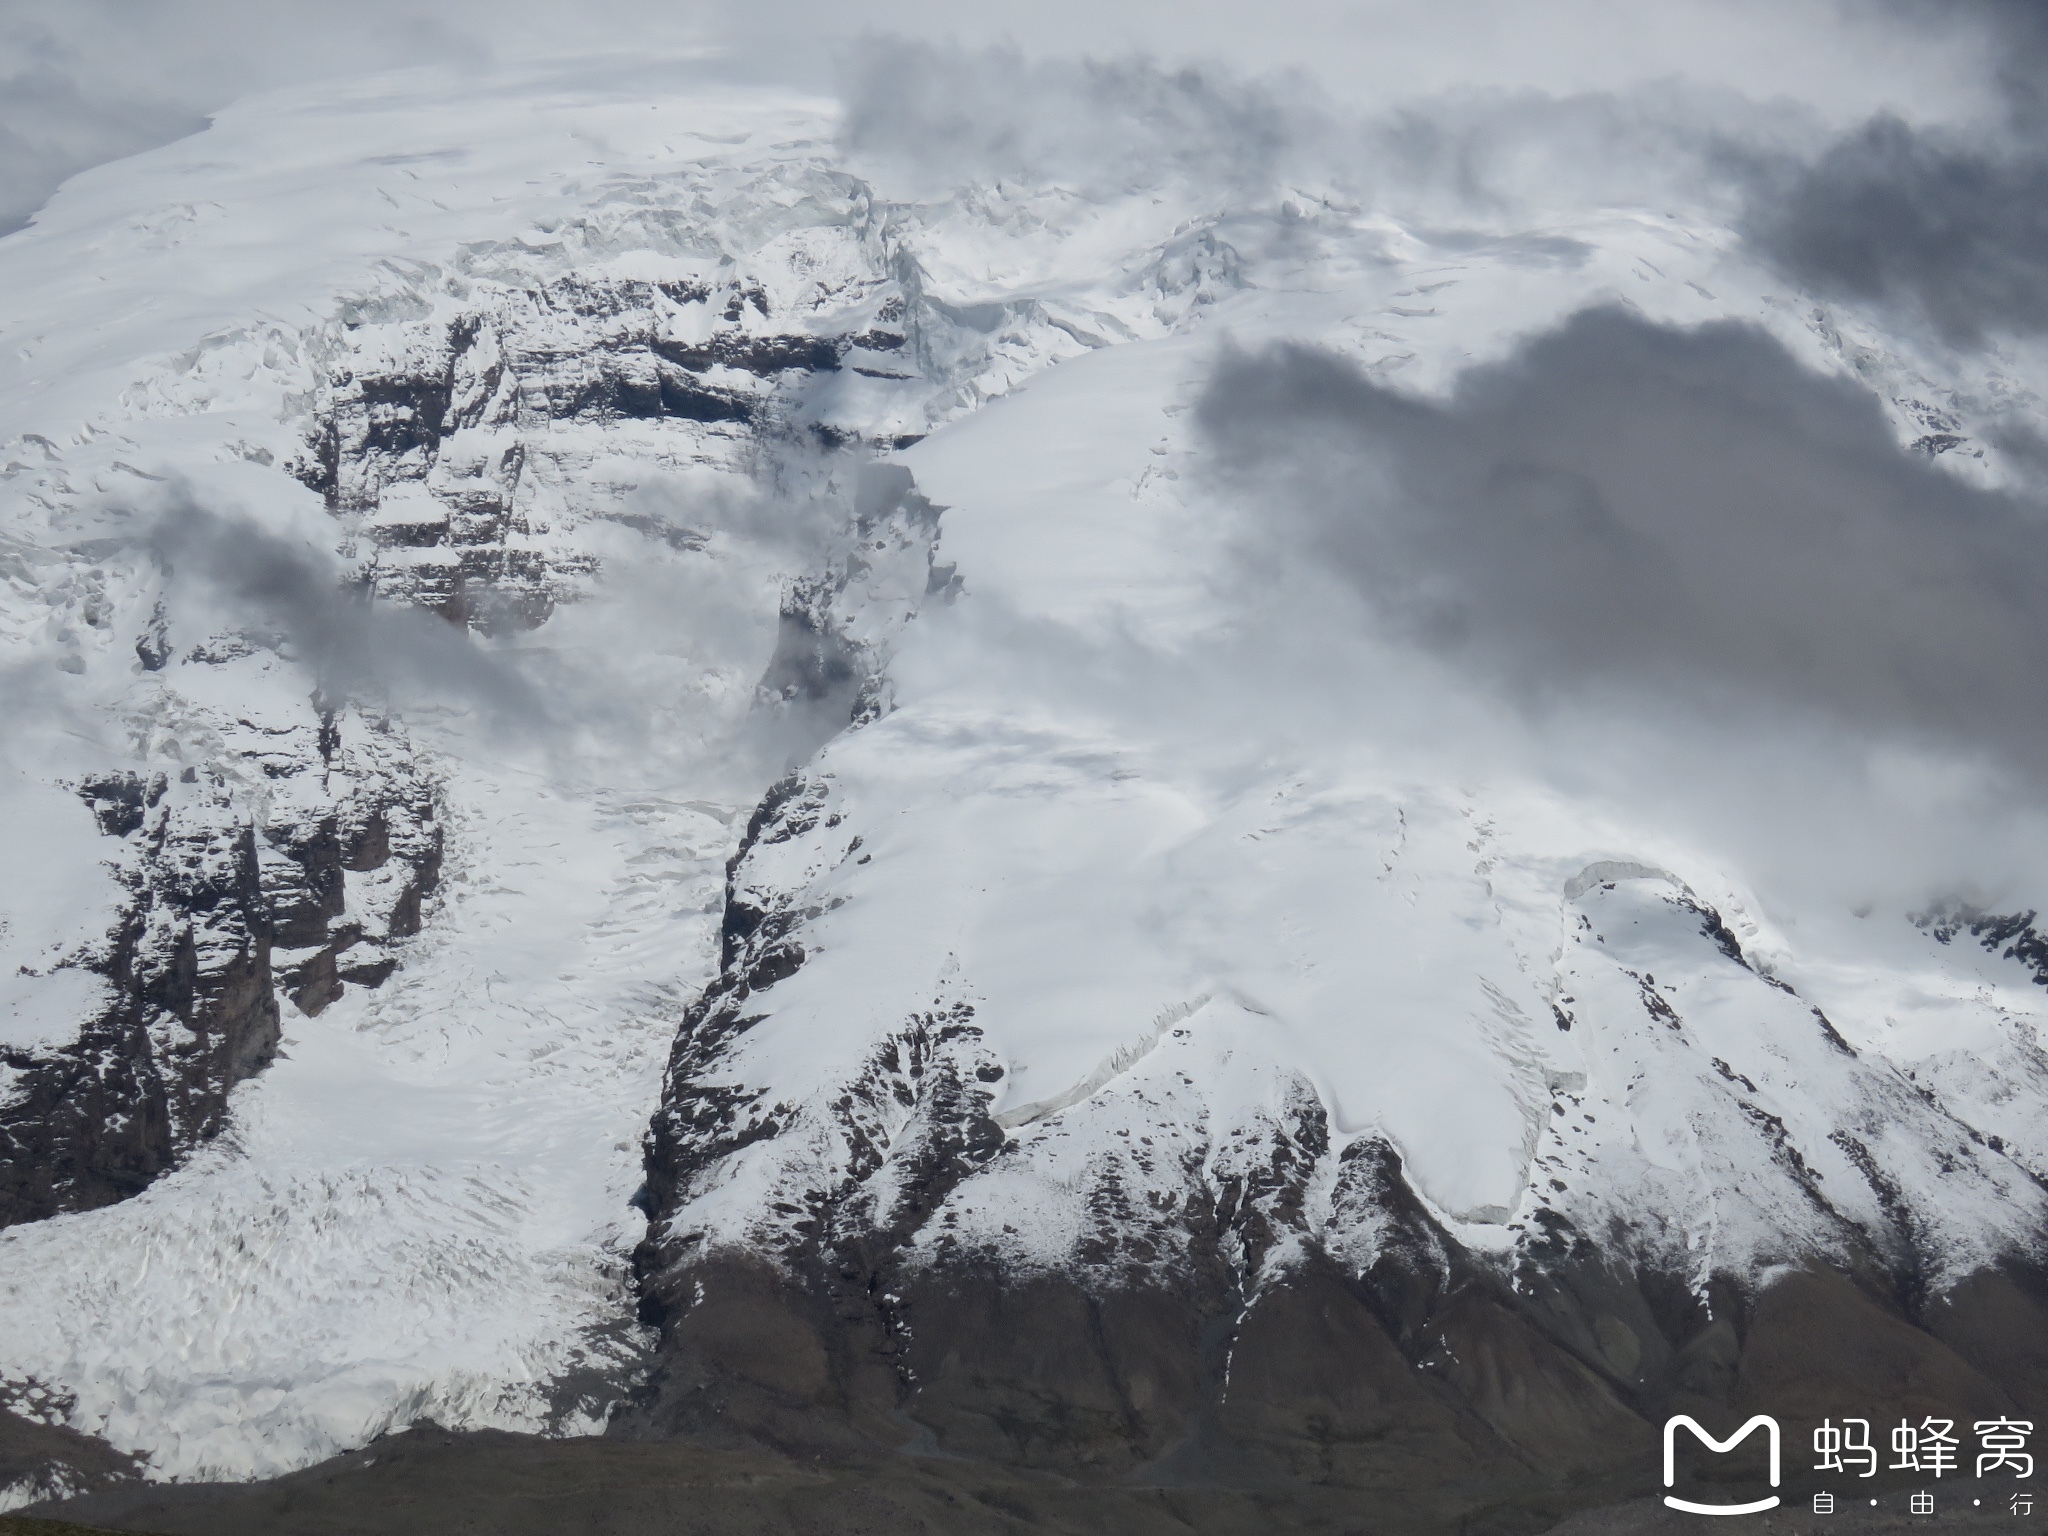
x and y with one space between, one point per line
882 754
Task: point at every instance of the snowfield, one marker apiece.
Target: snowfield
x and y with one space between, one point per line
1193 844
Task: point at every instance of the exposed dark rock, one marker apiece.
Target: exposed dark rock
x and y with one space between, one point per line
220 918
193 1013
49 1462
816 665
2012 933
153 646
367 973
812 662
764 355
1200 1331
1712 927
306 892
514 365
312 983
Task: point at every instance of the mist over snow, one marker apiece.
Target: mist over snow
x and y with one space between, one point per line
99 79
1634 531
1787 614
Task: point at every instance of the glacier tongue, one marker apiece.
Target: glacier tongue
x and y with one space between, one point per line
413 1211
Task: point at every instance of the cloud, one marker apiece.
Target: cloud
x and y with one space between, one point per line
2015 31
1686 522
91 80
925 119
649 674
1914 193
1103 127
1928 220
349 646
1944 223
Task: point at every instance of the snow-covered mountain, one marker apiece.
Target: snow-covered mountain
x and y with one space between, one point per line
658 779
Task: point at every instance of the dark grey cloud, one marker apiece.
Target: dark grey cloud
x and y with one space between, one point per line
1943 222
945 116
2014 31
1685 519
296 596
1953 228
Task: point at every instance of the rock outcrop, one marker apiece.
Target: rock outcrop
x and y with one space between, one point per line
223 915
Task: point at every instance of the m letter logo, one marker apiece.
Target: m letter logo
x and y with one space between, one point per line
1671 1426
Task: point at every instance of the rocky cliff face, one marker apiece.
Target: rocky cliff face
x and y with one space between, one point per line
222 917
447 442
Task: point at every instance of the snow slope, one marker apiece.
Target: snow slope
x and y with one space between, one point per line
1193 880
1082 821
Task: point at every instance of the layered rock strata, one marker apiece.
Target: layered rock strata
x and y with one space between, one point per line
223 914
